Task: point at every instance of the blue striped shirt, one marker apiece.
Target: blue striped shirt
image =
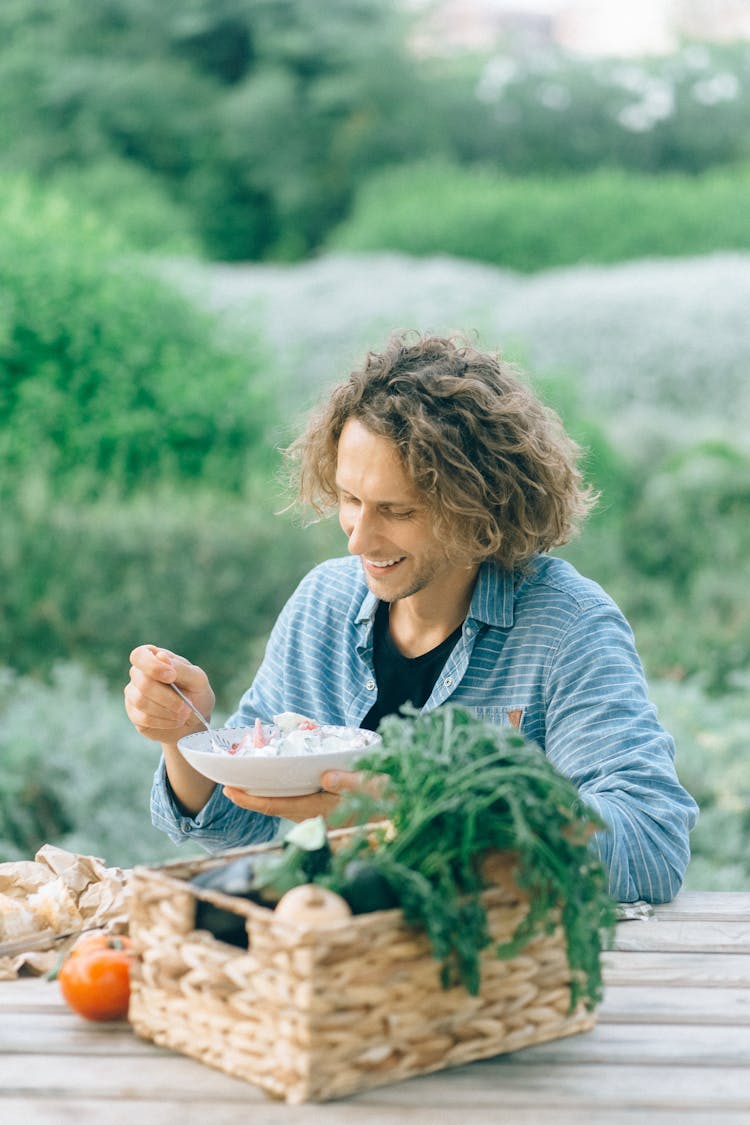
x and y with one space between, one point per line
548 649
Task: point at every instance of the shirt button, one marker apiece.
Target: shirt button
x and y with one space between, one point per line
469 630
185 825
370 685
448 681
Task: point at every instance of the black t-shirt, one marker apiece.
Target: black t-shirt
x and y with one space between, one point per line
402 679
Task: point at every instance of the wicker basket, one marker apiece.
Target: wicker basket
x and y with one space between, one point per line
311 1015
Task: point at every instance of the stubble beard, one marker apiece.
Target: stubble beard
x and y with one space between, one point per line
419 582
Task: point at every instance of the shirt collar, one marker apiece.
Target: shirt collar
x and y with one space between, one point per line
491 602
493 597
368 607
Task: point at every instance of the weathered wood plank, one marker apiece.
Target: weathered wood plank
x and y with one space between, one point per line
179 1081
644 1004
683 936
29 992
619 1039
60 1034
718 906
169 1076
508 1083
732 970
14 1111
644 1044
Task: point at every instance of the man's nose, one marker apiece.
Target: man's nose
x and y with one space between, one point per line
361 533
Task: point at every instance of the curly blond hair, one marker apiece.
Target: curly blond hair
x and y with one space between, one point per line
497 471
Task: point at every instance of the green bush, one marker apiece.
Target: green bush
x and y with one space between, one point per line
106 372
198 95
535 223
688 539
556 112
712 735
675 559
134 201
74 772
691 515
260 116
199 573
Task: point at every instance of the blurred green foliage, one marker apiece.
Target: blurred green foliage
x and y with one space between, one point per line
73 771
545 111
687 544
712 735
672 549
676 563
260 120
535 223
200 572
257 115
129 198
106 373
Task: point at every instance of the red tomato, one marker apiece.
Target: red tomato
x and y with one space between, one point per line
95 977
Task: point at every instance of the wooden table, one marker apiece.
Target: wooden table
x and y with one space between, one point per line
671 1047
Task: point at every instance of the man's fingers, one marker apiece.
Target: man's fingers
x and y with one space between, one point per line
167 667
339 781
148 703
156 663
342 781
290 808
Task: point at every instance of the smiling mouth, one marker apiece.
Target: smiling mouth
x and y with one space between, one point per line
387 564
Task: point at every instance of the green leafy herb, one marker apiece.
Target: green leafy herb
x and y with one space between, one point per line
456 789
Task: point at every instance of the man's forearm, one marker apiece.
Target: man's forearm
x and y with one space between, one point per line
191 789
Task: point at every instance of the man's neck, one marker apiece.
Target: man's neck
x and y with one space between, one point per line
421 622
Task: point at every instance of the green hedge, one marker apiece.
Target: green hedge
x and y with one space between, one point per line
535 223
200 573
74 772
675 558
133 200
711 735
107 374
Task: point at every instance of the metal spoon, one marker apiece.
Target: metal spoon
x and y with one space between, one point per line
217 742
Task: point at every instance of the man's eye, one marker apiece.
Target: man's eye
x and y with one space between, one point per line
402 515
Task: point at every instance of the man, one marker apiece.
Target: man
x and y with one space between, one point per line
452 482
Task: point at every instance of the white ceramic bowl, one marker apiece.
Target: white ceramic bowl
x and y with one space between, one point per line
269 776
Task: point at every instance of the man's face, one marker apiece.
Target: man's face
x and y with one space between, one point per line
386 520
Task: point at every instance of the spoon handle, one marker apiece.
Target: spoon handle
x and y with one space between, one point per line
192 707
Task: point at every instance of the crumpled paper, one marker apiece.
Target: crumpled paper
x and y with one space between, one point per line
57 892
634 911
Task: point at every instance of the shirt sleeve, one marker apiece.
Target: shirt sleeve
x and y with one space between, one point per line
603 733
219 825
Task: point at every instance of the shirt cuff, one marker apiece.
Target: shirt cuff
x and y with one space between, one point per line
217 826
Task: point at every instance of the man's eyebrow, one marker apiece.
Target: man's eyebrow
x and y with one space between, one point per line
381 503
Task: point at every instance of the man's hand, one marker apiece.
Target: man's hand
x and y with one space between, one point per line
153 708
335 783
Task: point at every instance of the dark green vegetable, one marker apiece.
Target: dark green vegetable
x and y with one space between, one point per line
365 887
223 924
457 788
310 839
263 877
233 878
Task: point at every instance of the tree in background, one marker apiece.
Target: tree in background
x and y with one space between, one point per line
262 119
262 115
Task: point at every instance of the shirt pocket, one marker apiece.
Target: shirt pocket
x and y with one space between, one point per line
510 716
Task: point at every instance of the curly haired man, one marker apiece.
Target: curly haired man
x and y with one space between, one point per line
452 483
